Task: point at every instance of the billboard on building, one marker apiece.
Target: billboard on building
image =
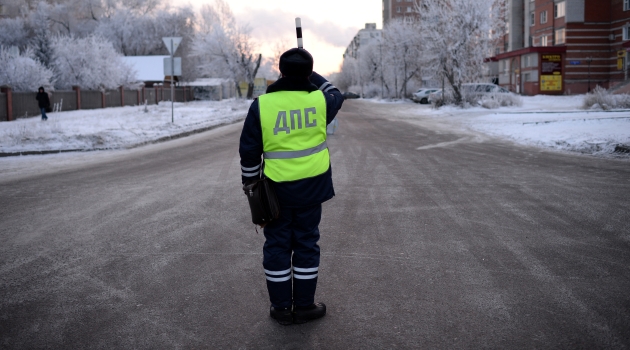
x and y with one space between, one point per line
551 72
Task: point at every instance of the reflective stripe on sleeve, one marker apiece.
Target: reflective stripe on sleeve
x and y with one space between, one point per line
251 174
296 154
250 169
324 85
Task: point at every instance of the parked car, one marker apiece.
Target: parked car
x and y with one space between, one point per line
422 95
476 89
348 95
434 96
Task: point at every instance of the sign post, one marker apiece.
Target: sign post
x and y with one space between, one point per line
172 43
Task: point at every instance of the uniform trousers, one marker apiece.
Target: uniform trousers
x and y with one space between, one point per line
291 256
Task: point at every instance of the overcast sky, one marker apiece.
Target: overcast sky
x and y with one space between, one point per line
328 25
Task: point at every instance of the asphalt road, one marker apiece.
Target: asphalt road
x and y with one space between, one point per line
437 239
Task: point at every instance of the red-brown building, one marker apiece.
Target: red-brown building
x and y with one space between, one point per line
564 46
399 9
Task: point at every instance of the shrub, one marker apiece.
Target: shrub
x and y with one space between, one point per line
603 99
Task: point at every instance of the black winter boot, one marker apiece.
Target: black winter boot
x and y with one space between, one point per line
282 315
303 314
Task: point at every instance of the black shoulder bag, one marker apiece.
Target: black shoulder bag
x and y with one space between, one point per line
262 199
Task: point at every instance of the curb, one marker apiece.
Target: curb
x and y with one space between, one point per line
136 145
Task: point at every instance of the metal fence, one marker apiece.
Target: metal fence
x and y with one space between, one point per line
91 99
3 107
25 105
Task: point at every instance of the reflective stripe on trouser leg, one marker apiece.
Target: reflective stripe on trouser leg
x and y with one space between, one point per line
305 254
277 261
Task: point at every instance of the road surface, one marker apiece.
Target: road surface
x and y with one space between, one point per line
438 238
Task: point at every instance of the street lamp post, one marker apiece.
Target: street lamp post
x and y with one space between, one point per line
589 60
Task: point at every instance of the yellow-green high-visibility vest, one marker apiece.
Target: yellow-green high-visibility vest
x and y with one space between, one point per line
294 134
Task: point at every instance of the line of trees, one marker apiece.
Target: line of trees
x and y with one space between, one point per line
449 43
60 43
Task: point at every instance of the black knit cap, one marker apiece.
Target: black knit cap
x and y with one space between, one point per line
296 63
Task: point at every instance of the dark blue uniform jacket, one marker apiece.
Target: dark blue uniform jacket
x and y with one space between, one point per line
292 194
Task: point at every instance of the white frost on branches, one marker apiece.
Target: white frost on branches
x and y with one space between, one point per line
22 72
386 66
458 36
91 63
224 48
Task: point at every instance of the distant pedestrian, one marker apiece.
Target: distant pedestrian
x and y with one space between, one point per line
43 101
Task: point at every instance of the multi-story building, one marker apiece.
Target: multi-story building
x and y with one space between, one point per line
399 9
564 46
363 38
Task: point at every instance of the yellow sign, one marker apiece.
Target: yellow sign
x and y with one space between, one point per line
551 83
621 53
620 63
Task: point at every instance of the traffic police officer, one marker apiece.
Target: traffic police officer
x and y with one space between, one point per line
287 127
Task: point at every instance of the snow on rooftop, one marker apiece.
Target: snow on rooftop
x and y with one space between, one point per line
206 82
149 68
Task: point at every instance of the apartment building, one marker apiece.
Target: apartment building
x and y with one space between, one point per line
363 38
564 46
399 9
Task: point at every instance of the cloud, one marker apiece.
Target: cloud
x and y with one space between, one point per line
271 26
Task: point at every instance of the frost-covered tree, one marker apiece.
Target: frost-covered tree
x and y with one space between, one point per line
136 34
387 65
14 32
40 40
91 63
23 72
457 36
226 48
399 54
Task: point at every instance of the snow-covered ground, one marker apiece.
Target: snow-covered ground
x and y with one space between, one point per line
114 128
555 122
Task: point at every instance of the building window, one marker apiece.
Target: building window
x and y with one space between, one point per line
544 41
626 5
559 10
560 36
398 9
543 17
532 19
626 33
408 8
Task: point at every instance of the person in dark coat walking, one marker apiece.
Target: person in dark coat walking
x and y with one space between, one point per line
43 101
287 127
